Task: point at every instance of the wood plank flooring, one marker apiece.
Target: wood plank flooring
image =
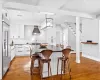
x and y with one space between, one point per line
86 70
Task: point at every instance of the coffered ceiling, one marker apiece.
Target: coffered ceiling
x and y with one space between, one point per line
64 10
30 2
86 6
39 17
46 3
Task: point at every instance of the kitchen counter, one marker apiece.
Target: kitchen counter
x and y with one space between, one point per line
29 44
12 47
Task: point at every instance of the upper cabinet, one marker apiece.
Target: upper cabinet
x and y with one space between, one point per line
17 31
21 31
5 17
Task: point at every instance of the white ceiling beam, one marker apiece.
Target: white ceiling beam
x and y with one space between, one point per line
31 8
20 6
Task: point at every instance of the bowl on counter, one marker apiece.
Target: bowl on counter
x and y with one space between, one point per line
43 45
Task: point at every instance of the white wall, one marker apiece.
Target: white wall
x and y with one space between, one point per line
71 39
59 29
44 37
32 38
90 31
28 37
65 37
52 36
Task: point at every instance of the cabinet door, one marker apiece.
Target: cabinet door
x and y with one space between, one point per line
14 31
17 31
19 50
21 31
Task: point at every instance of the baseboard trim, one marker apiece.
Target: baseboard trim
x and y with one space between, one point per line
91 57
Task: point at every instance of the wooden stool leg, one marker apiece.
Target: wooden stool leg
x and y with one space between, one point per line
48 69
69 70
64 66
31 69
61 68
41 69
32 66
39 65
69 65
57 66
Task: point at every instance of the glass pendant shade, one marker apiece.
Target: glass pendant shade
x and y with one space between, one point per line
36 30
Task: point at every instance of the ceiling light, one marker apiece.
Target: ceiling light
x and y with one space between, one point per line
36 30
48 22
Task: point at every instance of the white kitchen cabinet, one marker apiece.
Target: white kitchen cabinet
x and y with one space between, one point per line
21 31
19 50
22 50
13 31
17 31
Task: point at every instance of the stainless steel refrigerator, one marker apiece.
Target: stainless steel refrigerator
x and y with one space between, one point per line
5 47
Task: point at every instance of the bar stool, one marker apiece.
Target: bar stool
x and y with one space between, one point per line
33 58
63 60
46 54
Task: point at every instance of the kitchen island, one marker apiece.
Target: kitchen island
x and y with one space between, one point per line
57 52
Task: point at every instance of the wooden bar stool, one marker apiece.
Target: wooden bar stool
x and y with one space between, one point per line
64 60
33 58
46 54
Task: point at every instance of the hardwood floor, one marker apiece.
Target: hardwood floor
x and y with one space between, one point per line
86 70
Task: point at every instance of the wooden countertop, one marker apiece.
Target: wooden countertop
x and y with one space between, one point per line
89 42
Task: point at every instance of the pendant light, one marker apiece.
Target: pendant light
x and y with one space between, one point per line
49 21
36 30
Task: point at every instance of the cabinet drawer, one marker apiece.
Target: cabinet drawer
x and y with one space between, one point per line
20 51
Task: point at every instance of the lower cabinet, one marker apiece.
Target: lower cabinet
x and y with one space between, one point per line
22 50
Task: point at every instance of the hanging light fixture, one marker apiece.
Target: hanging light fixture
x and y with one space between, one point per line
49 21
36 30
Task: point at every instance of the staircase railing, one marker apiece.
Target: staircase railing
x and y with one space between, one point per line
72 27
